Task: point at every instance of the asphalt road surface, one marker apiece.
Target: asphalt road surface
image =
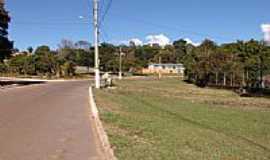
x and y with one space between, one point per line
47 122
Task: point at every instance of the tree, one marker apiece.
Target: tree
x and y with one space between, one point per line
108 57
84 58
68 68
45 61
202 67
181 49
30 50
42 50
146 54
65 43
167 55
3 68
84 45
22 64
5 45
230 65
67 54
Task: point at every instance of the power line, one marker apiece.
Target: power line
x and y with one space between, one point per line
70 23
107 9
174 28
101 5
104 34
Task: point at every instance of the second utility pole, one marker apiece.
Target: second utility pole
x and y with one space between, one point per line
120 63
96 43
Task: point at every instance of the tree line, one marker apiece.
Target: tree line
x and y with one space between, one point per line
241 63
44 61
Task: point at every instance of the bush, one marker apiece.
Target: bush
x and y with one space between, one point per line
3 68
68 69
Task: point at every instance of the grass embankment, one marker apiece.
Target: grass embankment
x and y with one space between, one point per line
169 119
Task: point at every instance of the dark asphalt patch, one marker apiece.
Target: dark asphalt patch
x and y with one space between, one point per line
9 83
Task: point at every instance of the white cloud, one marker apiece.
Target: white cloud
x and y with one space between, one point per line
189 41
265 27
81 17
266 30
160 39
136 41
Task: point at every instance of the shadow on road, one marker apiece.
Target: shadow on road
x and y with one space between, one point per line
4 83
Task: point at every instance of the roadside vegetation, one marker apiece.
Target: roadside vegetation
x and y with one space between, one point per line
44 62
150 119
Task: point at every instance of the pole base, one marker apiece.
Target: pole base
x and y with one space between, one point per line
97 78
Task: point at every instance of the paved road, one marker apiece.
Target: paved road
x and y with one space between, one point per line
47 122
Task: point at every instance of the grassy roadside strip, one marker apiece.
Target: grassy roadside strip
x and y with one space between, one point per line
101 135
168 119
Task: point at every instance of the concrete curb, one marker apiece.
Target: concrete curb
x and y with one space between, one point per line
102 135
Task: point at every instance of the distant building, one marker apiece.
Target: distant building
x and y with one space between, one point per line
266 81
24 53
84 70
165 69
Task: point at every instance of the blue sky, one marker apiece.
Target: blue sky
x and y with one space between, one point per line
37 22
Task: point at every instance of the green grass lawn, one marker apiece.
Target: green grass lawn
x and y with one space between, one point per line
149 119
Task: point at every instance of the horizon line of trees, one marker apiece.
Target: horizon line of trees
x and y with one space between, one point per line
238 64
241 63
50 63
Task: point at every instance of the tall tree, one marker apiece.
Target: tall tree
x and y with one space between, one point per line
45 61
5 45
181 49
203 67
30 50
83 45
42 50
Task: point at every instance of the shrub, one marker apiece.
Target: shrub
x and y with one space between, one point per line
3 68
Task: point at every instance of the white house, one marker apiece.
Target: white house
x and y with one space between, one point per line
165 69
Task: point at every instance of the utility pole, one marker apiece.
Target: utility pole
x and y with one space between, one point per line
120 64
159 72
96 43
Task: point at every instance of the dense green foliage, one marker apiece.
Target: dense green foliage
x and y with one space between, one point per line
45 62
241 64
238 64
234 64
5 45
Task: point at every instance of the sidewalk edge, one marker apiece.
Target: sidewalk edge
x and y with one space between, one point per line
101 133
